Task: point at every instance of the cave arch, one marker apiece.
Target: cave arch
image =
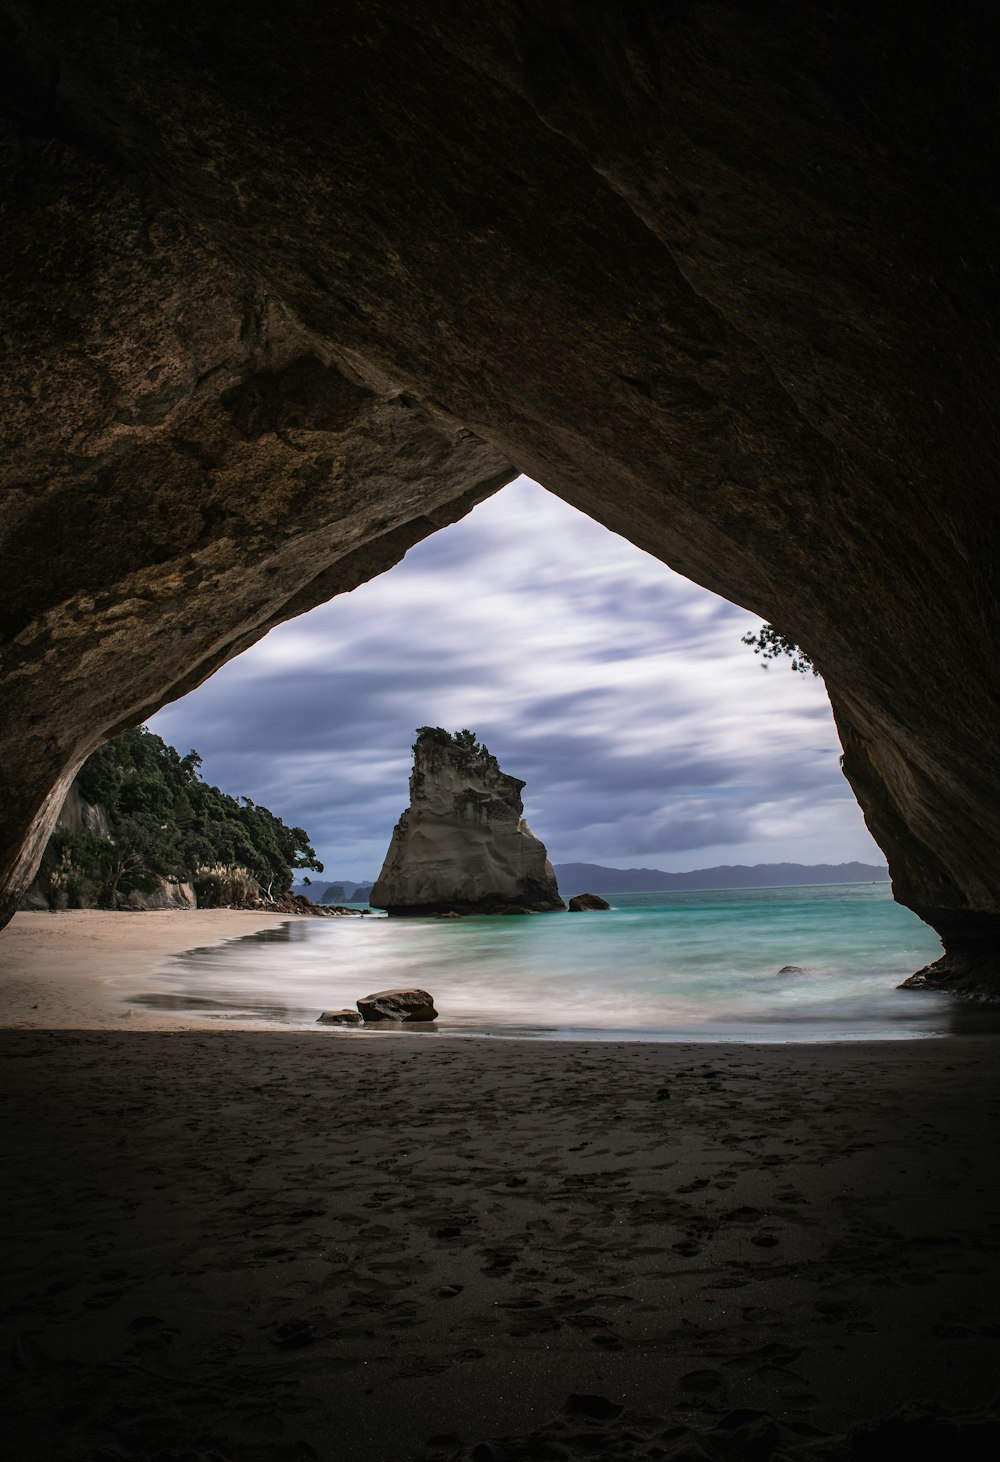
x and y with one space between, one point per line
645 730
285 299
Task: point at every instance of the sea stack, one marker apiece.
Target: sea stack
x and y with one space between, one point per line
462 846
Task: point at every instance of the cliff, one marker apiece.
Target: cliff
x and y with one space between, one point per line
722 277
140 829
462 846
59 884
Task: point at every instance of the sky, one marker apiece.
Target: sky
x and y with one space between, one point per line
647 733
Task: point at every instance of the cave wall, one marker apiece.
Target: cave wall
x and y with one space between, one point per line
294 287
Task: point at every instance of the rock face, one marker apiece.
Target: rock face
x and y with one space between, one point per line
406 1006
168 894
339 1017
462 846
585 903
720 276
77 815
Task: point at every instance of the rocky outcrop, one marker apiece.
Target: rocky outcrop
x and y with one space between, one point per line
463 846
966 970
404 1006
168 894
77 815
585 903
721 276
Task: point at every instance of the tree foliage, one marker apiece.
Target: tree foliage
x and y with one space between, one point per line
771 644
464 741
165 822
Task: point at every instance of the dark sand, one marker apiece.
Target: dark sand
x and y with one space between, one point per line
233 1245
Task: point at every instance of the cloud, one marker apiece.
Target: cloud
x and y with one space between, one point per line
618 690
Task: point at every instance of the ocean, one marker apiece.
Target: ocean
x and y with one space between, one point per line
687 966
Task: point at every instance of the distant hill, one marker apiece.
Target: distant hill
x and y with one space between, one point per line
592 878
335 891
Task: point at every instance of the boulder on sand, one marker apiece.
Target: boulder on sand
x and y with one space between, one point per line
339 1017
398 1005
583 903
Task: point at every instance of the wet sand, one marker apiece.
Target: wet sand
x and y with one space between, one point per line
236 1246
74 970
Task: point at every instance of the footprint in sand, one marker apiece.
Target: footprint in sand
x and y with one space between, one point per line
705 1384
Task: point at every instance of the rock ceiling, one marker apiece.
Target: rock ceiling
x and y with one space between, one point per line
289 288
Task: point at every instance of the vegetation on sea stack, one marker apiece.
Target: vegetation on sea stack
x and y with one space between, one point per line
165 822
463 741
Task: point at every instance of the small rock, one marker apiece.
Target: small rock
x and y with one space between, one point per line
398 1005
339 1017
583 903
791 970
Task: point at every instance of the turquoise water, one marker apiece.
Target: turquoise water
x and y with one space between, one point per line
666 966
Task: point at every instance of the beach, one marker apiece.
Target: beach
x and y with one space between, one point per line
73 970
228 1245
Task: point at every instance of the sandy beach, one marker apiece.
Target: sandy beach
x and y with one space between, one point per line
239 1246
72 970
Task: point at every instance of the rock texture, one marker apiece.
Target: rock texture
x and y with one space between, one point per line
462 846
77 815
585 903
340 1017
285 292
168 894
407 1006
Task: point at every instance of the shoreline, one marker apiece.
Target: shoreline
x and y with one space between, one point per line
244 1242
68 970
94 969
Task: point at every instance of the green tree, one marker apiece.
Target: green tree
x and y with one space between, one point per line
137 856
437 734
166 822
464 741
771 644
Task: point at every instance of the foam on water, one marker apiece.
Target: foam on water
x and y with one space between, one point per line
668 966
